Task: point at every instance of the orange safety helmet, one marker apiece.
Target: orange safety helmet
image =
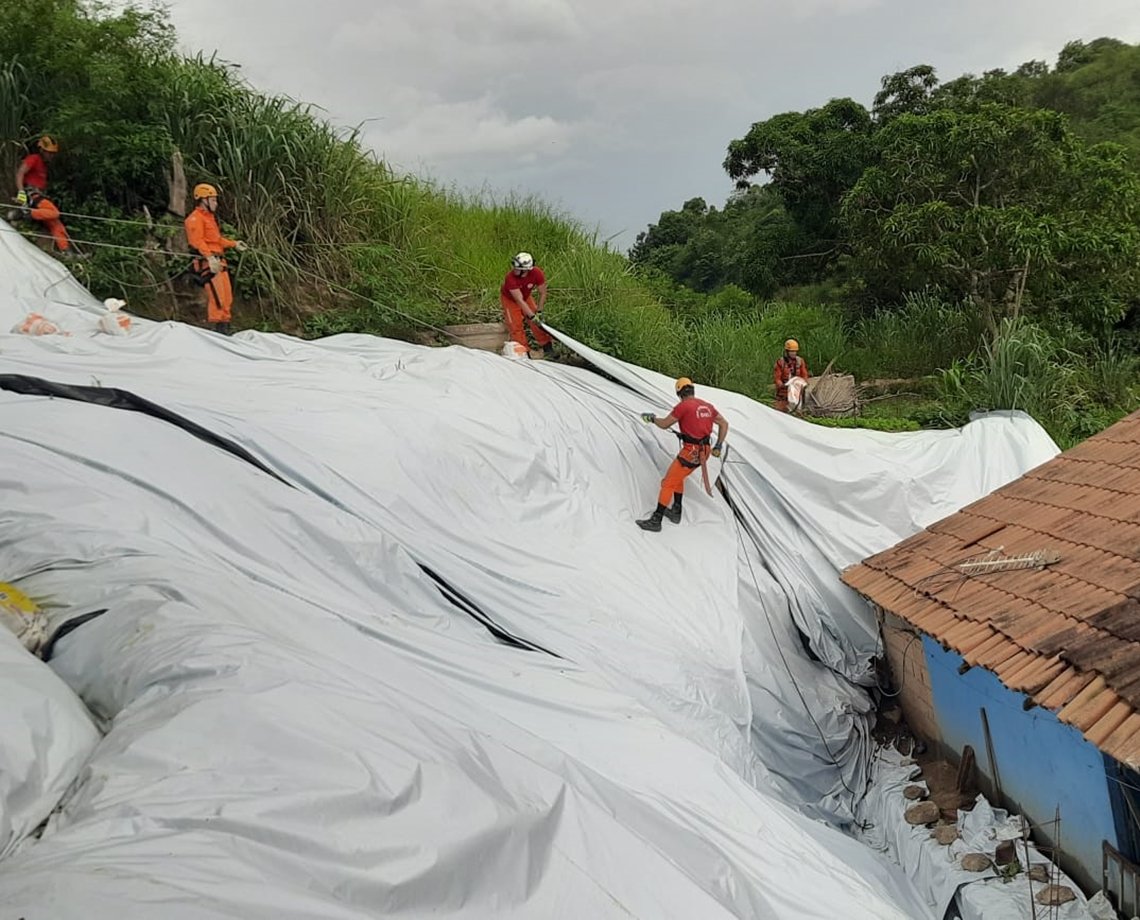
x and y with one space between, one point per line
791 345
204 190
47 145
681 383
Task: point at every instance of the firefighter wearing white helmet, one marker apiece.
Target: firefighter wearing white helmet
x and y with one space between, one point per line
210 268
517 298
790 366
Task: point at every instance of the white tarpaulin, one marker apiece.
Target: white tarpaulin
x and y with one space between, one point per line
45 738
936 870
300 724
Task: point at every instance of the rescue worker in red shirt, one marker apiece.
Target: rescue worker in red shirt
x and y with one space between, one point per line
789 366
209 267
31 185
696 419
517 300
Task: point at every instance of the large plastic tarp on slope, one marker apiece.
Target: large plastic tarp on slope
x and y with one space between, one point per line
516 485
817 500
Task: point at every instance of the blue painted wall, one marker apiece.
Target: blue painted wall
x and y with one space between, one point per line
1043 763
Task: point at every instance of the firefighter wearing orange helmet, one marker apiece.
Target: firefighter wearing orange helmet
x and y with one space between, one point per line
210 269
789 366
696 419
31 196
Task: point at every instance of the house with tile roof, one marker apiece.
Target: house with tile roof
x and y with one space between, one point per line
1013 626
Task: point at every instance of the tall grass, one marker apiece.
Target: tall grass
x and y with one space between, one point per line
924 335
1070 387
15 111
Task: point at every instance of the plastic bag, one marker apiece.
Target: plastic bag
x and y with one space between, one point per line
114 321
795 391
37 324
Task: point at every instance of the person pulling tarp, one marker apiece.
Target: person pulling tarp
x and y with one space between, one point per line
31 197
209 268
517 300
696 419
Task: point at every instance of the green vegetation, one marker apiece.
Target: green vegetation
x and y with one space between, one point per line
981 234
974 243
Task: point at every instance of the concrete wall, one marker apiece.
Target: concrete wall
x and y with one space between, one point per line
1042 762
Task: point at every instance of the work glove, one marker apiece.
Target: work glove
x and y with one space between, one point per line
717 449
215 264
648 417
240 245
22 198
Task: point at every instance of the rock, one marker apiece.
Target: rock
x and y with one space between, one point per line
914 792
1039 873
976 862
1055 895
1006 853
945 834
922 813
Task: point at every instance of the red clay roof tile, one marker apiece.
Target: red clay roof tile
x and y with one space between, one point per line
1068 633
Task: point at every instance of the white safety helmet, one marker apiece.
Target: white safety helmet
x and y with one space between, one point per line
524 261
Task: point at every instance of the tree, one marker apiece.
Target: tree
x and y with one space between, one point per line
908 92
1077 54
1004 206
96 80
1096 85
705 248
812 157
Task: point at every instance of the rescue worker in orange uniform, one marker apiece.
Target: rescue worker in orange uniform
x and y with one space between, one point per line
31 182
517 301
789 366
696 419
210 268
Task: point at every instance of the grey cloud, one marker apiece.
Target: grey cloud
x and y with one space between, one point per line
616 109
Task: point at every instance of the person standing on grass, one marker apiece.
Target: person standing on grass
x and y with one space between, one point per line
210 268
696 419
789 366
517 298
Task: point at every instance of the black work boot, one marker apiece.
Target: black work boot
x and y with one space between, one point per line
548 349
653 522
222 328
674 513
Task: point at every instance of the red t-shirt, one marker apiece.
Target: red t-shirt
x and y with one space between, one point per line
695 417
525 283
36 175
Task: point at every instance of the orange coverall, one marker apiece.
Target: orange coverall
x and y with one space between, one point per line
513 314
45 211
784 371
205 238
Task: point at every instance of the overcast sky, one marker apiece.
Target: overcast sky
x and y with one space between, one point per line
614 110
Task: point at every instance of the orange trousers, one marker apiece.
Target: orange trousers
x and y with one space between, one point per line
48 214
513 317
219 294
692 457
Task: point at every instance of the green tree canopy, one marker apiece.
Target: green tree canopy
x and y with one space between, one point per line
812 158
1004 206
